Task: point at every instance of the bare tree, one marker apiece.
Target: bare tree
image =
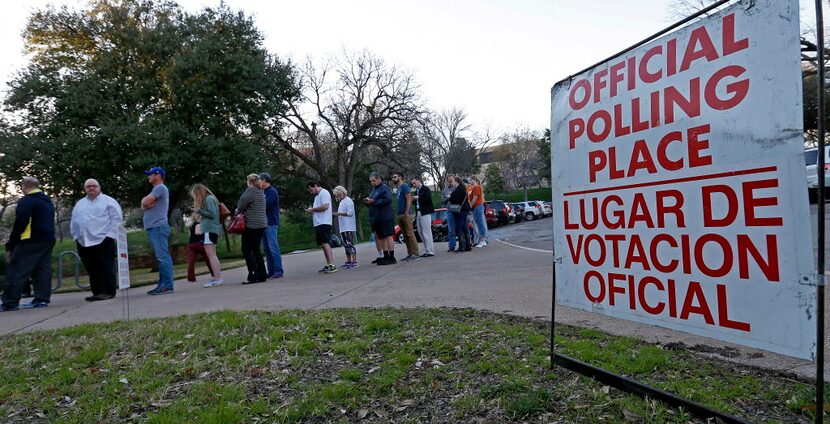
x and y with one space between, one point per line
520 158
680 9
349 111
450 145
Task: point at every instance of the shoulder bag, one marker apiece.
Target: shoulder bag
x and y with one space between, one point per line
237 226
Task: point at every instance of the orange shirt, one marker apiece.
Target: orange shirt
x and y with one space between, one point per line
475 191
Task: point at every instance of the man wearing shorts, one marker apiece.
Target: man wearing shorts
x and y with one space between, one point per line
321 216
381 218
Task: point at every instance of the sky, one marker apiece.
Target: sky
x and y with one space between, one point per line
496 59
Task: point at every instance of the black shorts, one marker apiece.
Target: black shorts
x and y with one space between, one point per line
322 234
210 238
383 228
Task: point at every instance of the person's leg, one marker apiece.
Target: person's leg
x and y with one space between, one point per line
18 270
461 230
348 246
451 234
328 254
267 236
88 258
425 228
409 235
202 256
213 261
159 242
481 223
465 223
390 247
473 230
42 276
275 250
249 238
192 256
261 273
108 275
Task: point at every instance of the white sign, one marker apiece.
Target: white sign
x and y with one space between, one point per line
123 260
680 184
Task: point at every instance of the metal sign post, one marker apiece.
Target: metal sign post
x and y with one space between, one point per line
124 273
820 218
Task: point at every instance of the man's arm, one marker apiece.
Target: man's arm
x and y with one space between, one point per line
23 214
408 203
148 201
115 214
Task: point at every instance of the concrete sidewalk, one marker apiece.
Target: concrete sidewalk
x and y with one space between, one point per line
499 278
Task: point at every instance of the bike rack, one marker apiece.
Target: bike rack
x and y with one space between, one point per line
77 268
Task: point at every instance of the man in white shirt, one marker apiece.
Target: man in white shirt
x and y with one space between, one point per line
321 216
94 225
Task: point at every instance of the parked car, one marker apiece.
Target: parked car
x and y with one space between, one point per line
496 213
532 210
511 212
811 160
547 210
518 211
550 205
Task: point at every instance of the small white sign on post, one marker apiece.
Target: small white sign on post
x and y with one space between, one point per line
680 184
123 260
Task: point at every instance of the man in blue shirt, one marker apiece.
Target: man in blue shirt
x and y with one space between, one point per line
381 219
155 206
404 220
270 241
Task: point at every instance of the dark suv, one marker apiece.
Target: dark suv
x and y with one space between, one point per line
496 213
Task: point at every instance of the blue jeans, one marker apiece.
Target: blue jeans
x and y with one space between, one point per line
158 241
271 246
450 231
462 230
481 223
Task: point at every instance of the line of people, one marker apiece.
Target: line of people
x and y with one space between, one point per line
96 220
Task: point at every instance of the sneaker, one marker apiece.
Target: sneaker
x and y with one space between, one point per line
331 269
323 269
346 265
34 304
7 308
427 255
480 245
214 283
274 276
159 291
377 260
354 265
408 258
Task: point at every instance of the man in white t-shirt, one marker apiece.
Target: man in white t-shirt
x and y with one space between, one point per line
321 216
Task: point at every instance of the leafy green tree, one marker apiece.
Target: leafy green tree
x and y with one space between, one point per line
494 182
121 86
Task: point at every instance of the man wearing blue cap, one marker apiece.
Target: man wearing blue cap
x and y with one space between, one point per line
155 206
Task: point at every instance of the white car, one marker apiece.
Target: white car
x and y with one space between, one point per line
547 210
533 210
811 160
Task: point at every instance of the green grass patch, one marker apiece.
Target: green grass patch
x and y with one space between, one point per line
384 365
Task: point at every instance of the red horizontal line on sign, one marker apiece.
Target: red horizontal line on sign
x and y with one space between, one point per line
678 180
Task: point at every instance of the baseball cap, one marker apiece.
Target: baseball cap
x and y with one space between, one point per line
265 176
156 170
